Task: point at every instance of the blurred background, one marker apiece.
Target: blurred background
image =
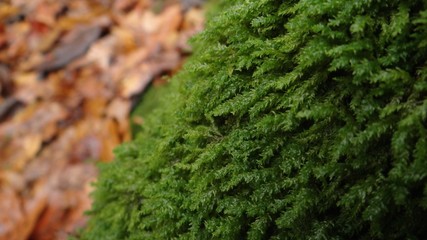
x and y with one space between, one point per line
72 76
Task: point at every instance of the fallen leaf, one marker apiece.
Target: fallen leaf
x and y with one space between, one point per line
119 109
170 21
94 107
49 40
7 11
113 135
67 202
12 179
6 106
17 36
25 79
3 36
149 23
126 39
88 147
122 5
28 148
192 24
32 120
91 86
191 4
69 72
11 211
101 53
135 82
76 44
46 13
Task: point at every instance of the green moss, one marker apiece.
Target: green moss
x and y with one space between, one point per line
293 120
151 100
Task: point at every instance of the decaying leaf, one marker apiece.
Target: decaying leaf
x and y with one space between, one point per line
6 106
7 11
69 71
75 45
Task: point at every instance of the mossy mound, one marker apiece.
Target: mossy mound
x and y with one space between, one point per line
293 120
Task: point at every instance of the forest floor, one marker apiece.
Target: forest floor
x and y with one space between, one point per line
71 71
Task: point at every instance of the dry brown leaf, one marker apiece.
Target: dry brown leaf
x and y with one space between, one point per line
191 4
27 149
168 61
170 21
12 179
92 86
67 201
25 5
101 134
126 39
101 53
76 217
46 13
6 106
113 135
3 36
20 214
25 79
49 40
148 22
193 23
7 11
60 87
69 23
94 107
89 147
33 205
26 66
122 5
11 213
5 80
119 109
17 40
74 45
129 62
53 158
135 82
79 112
29 89
33 119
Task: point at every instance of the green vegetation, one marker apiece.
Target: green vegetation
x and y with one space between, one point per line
293 120
147 105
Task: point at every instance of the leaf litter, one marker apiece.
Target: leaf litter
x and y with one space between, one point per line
69 71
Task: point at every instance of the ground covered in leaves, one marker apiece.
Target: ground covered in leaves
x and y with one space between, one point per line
70 74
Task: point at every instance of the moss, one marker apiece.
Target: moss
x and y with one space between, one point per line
293 120
150 101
